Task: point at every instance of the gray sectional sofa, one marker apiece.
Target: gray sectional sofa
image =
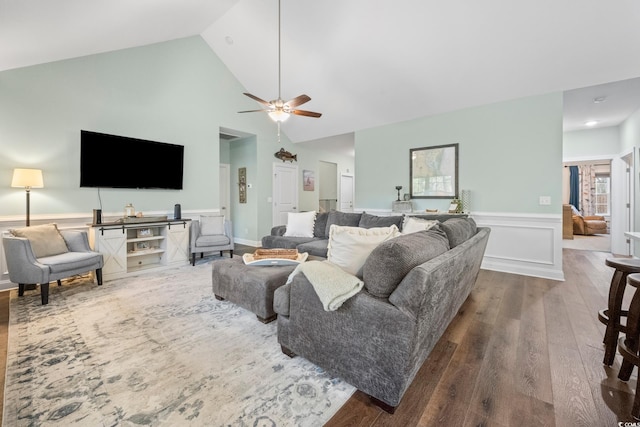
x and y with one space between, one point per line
317 245
377 340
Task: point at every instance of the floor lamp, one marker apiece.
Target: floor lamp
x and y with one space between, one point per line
27 179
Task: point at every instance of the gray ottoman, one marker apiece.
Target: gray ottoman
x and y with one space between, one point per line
250 287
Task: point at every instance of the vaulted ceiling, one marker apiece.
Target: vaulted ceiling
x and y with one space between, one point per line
365 63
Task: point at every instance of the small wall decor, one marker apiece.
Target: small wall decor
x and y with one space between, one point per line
433 172
285 155
242 185
308 180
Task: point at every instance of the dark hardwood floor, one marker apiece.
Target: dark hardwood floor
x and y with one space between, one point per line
523 351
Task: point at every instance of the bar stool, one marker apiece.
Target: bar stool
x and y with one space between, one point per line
612 315
628 345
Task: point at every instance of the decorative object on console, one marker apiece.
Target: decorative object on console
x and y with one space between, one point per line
433 172
398 187
455 206
402 206
177 211
97 216
129 211
465 199
27 179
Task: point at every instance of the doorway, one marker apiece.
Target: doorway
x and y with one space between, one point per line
328 187
347 190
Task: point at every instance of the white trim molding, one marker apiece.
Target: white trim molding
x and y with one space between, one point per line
526 244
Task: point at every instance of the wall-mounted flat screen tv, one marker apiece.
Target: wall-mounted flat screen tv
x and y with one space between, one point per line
112 161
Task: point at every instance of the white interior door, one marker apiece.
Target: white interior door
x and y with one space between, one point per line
285 192
347 190
225 196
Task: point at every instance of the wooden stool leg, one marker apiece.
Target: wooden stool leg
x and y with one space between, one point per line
616 293
632 336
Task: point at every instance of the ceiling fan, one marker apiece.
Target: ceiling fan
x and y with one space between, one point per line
277 109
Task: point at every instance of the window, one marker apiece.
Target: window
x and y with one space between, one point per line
602 194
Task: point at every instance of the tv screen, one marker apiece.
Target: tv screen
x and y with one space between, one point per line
112 161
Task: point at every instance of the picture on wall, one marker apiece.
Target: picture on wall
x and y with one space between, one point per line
433 172
308 180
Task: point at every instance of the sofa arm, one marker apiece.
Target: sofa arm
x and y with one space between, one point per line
77 241
594 218
278 230
22 264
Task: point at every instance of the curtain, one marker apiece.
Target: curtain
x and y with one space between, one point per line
587 189
574 187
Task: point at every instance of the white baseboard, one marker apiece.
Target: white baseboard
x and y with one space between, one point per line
247 242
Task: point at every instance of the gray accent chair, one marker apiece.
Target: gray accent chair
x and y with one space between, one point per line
211 243
25 269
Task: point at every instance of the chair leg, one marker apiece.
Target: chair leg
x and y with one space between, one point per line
230 253
193 258
59 282
20 289
99 276
44 293
220 253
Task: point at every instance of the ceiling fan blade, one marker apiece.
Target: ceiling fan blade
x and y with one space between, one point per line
255 98
298 100
252 111
306 113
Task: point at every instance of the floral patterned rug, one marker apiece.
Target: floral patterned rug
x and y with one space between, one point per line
155 350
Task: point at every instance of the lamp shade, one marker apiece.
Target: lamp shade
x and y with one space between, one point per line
278 115
27 178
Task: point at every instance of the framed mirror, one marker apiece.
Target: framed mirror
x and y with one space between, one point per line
433 172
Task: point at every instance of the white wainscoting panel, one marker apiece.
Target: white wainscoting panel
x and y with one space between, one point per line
527 244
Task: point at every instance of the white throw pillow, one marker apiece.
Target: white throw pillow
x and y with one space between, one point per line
300 224
412 225
211 225
349 247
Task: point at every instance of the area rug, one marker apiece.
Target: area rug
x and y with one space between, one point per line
155 350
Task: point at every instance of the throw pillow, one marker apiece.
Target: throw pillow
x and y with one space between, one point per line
300 224
45 239
412 225
349 247
459 230
390 262
350 219
211 225
320 227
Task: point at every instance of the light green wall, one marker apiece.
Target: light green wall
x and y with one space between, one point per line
591 143
510 153
242 154
177 92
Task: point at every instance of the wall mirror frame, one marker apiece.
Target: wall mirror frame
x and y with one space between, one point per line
433 172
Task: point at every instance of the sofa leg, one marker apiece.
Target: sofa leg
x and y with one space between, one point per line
218 297
288 352
20 289
266 320
44 293
99 276
220 253
59 282
382 405
230 253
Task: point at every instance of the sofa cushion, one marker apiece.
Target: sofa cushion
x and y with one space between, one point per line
300 224
348 219
316 247
349 247
411 224
387 264
320 227
459 230
371 221
211 225
45 239
217 240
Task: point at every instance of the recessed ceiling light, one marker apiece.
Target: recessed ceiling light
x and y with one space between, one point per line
229 40
599 99
591 123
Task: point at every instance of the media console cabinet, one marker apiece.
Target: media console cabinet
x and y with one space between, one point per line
131 247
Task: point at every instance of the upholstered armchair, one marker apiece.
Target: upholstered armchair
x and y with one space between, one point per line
586 225
42 253
211 234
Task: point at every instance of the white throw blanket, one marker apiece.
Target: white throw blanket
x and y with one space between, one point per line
332 284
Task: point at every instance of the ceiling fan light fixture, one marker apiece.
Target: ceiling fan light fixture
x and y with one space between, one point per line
278 115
